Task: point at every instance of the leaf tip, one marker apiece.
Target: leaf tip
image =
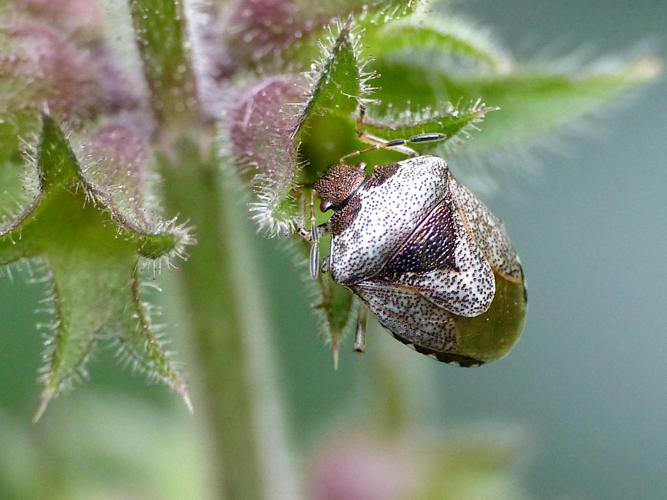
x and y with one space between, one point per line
484 110
648 68
185 395
44 401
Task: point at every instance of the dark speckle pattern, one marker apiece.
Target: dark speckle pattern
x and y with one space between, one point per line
431 245
380 175
420 250
388 215
342 219
338 184
409 315
489 233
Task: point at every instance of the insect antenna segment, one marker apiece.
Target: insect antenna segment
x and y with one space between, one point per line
400 145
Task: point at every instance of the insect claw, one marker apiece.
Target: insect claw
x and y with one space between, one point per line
360 336
335 348
304 233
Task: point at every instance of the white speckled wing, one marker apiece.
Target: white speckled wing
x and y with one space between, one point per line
409 315
387 215
489 232
442 260
466 290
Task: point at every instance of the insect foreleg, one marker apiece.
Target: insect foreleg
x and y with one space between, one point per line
313 235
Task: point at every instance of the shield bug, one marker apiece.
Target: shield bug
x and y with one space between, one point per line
429 259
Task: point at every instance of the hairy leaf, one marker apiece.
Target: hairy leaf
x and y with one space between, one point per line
340 312
287 32
380 12
334 304
454 122
93 260
532 101
441 38
277 114
339 82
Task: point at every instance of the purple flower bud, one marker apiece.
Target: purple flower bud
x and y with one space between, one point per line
73 16
116 160
256 27
45 67
363 469
261 131
263 122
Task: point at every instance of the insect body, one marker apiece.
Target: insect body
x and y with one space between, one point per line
426 257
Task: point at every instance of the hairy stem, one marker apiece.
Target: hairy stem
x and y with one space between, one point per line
226 319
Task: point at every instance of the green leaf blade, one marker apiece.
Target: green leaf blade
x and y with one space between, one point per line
454 122
92 257
440 38
139 341
339 81
58 165
82 307
532 103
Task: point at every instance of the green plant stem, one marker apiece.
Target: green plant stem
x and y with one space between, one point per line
160 36
224 317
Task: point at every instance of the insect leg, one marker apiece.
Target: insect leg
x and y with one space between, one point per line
360 336
324 268
303 232
315 239
313 235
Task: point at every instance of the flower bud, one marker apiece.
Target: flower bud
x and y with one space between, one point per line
261 133
43 67
116 157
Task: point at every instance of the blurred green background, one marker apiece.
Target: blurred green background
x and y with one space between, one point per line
586 385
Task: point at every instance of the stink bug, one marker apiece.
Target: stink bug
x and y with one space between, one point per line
429 259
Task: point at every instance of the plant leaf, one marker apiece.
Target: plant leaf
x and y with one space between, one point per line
381 12
334 304
441 37
92 259
339 81
338 84
275 116
340 310
533 102
454 122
